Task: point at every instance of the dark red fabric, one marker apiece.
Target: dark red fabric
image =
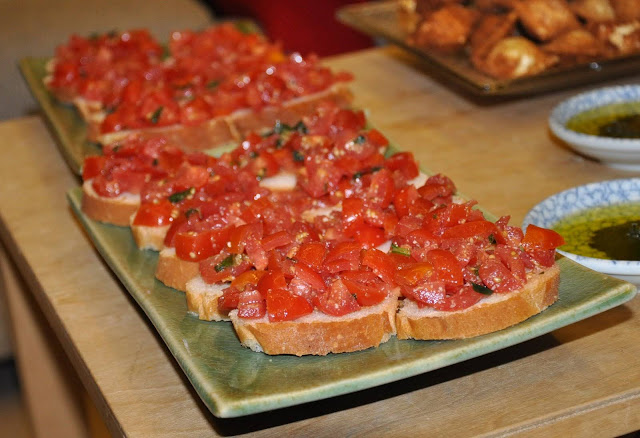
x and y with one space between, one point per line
305 26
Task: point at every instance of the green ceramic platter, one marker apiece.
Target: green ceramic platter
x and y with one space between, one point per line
234 381
64 121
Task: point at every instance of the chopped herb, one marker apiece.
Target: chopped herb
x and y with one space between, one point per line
224 264
155 162
246 27
480 288
253 154
95 144
360 139
359 174
116 148
300 127
155 117
298 156
282 128
112 33
110 109
191 212
492 239
400 250
165 52
180 196
213 84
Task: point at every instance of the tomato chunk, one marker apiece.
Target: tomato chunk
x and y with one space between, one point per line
282 305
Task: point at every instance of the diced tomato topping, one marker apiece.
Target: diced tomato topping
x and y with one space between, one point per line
537 238
337 300
154 214
309 276
404 163
92 166
312 254
251 304
366 294
282 305
380 263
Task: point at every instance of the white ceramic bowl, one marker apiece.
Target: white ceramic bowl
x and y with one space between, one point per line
550 211
621 153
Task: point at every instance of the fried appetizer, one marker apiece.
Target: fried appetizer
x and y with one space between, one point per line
546 19
618 38
491 29
626 10
575 46
514 57
594 11
446 29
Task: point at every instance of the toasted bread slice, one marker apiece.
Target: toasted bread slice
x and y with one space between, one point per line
173 271
318 333
231 128
147 237
116 211
491 314
202 299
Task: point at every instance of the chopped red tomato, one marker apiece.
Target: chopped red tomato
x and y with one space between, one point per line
282 305
537 238
380 263
154 214
251 304
366 294
337 300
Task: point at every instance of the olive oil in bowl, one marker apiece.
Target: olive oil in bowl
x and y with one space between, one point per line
611 232
616 120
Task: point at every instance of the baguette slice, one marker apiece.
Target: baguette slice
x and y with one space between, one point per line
320 334
202 299
232 128
173 271
491 314
116 211
147 237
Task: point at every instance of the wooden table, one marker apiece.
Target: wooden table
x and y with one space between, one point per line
580 380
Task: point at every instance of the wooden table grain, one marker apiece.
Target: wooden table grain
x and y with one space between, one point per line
581 380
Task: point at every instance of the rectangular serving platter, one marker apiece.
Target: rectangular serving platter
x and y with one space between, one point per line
381 19
234 381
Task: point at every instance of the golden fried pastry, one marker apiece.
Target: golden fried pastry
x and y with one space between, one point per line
546 19
514 57
618 38
594 10
446 29
490 29
493 6
575 46
426 7
626 10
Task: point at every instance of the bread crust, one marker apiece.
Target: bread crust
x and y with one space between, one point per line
319 334
202 300
146 237
489 315
115 211
173 271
